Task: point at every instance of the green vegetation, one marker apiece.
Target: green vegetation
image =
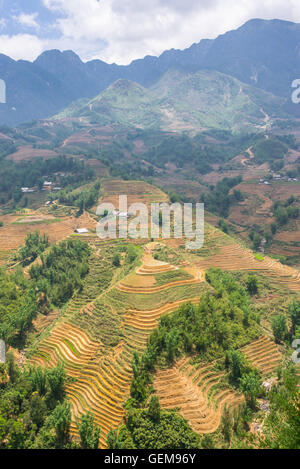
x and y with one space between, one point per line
18 307
62 270
268 150
279 327
34 411
13 175
282 429
83 199
218 200
89 432
284 211
221 322
35 245
153 428
196 101
252 284
294 313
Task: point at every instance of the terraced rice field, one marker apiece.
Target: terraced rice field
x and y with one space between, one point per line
193 391
102 374
198 392
234 257
112 317
136 191
264 355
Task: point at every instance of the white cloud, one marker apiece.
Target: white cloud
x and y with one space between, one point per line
123 30
135 28
21 46
27 20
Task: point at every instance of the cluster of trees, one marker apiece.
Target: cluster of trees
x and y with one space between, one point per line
218 199
201 151
280 327
243 375
131 253
284 211
281 427
55 279
62 270
35 244
153 428
222 321
268 150
18 307
34 411
83 199
7 147
223 226
13 175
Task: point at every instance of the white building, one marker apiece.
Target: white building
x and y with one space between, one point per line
81 231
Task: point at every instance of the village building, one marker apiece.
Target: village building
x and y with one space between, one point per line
81 231
27 190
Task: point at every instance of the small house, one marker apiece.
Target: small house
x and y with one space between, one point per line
47 185
81 231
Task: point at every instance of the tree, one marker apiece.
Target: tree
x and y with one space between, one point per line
279 327
116 260
226 424
61 421
281 215
113 440
273 228
256 241
252 284
11 367
56 380
250 385
294 312
154 409
89 433
17 435
236 362
38 410
171 344
131 254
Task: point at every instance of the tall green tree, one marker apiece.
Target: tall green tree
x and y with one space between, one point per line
89 432
279 327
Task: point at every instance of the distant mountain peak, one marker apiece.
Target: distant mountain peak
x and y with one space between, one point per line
122 85
263 53
55 55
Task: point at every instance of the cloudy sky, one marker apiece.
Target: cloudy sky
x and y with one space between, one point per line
122 30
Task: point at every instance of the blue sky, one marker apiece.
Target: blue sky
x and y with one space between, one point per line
122 30
12 13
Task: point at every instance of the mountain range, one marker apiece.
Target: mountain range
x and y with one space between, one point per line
181 102
263 54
